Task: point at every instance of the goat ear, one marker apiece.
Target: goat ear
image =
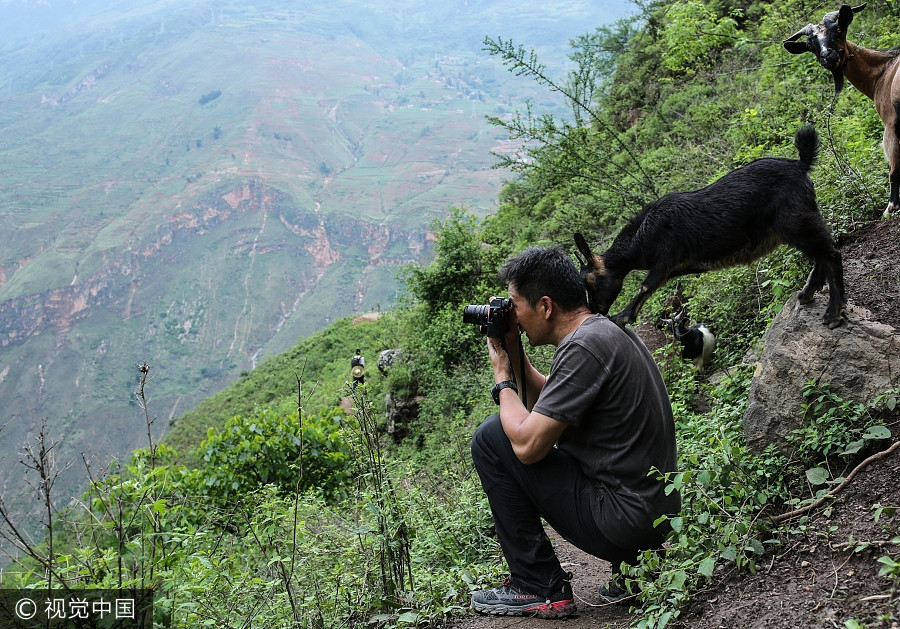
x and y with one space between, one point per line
859 8
845 14
797 47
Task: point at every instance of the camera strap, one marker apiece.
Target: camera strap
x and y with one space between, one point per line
523 394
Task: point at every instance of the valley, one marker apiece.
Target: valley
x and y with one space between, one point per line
199 185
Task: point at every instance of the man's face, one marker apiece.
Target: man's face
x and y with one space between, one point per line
530 319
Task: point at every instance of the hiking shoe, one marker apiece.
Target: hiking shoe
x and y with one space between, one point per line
511 600
615 592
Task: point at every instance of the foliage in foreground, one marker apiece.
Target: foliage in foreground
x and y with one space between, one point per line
394 547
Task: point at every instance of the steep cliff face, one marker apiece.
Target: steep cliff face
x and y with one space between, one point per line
58 309
226 213
224 280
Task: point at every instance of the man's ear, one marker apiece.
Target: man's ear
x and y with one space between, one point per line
547 304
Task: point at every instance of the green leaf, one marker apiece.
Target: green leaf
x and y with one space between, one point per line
409 617
876 433
817 475
664 620
891 567
707 566
679 577
756 546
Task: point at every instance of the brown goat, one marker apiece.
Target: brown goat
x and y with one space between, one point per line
875 73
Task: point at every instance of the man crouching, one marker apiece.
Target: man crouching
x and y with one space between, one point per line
604 407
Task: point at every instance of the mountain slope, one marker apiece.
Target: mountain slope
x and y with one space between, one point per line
198 185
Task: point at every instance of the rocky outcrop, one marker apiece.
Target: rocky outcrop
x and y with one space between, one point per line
387 358
858 361
86 83
400 411
401 408
59 308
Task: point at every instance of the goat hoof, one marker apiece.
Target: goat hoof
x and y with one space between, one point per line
834 322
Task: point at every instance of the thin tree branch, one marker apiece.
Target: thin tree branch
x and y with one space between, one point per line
803 510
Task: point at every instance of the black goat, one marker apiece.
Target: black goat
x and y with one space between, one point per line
697 342
735 220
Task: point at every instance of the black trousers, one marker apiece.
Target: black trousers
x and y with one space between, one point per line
554 488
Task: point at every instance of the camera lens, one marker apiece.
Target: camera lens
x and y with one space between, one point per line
479 315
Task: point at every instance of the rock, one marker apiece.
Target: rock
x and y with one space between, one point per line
858 360
386 360
399 411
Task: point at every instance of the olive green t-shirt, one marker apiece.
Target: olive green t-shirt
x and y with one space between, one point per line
606 386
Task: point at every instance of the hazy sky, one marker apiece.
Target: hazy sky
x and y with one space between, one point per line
27 18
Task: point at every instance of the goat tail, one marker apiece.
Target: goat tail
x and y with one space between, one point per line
807 143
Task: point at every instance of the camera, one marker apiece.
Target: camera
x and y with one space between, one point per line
492 319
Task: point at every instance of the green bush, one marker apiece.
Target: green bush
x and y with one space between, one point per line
269 448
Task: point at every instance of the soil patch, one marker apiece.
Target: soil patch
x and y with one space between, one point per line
872 269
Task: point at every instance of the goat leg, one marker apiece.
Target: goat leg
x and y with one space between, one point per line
814 282
891 147
655 278
837 299
894 200
834 313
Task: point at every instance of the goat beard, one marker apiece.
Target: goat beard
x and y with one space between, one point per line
838 81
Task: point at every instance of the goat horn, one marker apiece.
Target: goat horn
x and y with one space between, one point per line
859 8
801 33
583 247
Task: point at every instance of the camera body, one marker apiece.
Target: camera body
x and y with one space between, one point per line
492 319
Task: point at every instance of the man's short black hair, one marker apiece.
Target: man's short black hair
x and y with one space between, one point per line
540 271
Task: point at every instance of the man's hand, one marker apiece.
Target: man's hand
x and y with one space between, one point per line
499 360
498 349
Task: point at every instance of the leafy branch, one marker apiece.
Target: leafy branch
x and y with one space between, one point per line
583 85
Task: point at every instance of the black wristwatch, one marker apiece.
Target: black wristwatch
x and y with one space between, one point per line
497 388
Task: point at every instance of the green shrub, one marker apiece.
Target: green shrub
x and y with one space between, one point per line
269 448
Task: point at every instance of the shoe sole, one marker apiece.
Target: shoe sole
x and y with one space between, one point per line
559 609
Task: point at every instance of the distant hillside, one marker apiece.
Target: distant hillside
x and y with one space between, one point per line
198 185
